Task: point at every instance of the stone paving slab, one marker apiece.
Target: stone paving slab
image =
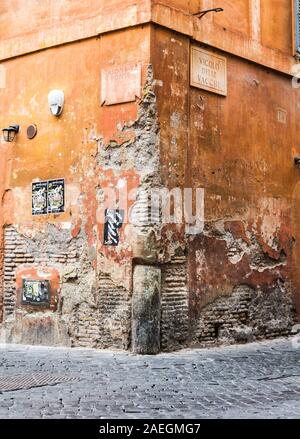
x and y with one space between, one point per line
258 380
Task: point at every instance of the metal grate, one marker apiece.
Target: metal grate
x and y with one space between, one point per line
22 382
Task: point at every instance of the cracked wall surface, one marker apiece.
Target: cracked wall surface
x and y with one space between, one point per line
246 315
105 147
235 281
241 272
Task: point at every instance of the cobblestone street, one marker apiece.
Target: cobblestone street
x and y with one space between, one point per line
259 380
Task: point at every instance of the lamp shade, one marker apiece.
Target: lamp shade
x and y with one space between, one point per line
9 133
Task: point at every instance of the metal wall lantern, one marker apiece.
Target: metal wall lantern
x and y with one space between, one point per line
9 133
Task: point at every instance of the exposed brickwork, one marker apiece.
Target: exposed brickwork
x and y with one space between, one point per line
15 254
114 314
100 318
246 315
1 272
98 314
50 249
84 327
94 316
174 297
96 309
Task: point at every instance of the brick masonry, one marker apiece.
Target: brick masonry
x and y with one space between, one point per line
246 315
1 273
21 252
93 311
114 314
97 317
174 298
15 255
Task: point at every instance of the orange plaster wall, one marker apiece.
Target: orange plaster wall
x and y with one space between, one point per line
236 16
66 147
277 24
30 16
240 152
232 146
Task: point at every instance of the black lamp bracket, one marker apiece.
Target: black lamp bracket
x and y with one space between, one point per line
202 13
15 128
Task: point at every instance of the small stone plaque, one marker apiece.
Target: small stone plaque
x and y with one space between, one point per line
208 71
121 84
36 292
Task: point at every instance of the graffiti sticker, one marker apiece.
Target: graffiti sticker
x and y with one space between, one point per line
48 197
36 292
56 196
39 198
113 222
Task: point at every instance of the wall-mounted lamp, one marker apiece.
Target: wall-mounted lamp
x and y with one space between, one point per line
202 13
9 133
56 100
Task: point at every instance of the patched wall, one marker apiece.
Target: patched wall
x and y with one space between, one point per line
240 270
175 303
247 314
132 121
94 145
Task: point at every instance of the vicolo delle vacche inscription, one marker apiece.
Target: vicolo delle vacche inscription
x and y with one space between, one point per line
208 71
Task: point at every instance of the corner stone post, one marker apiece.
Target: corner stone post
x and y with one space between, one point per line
146 309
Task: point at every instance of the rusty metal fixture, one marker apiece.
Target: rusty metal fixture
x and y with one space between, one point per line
31 131
202 13
9 133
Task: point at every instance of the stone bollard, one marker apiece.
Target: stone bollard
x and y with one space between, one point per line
146 309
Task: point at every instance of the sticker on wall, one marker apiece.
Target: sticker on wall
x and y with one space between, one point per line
113 222
36 292
56 196
39 198
48 197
